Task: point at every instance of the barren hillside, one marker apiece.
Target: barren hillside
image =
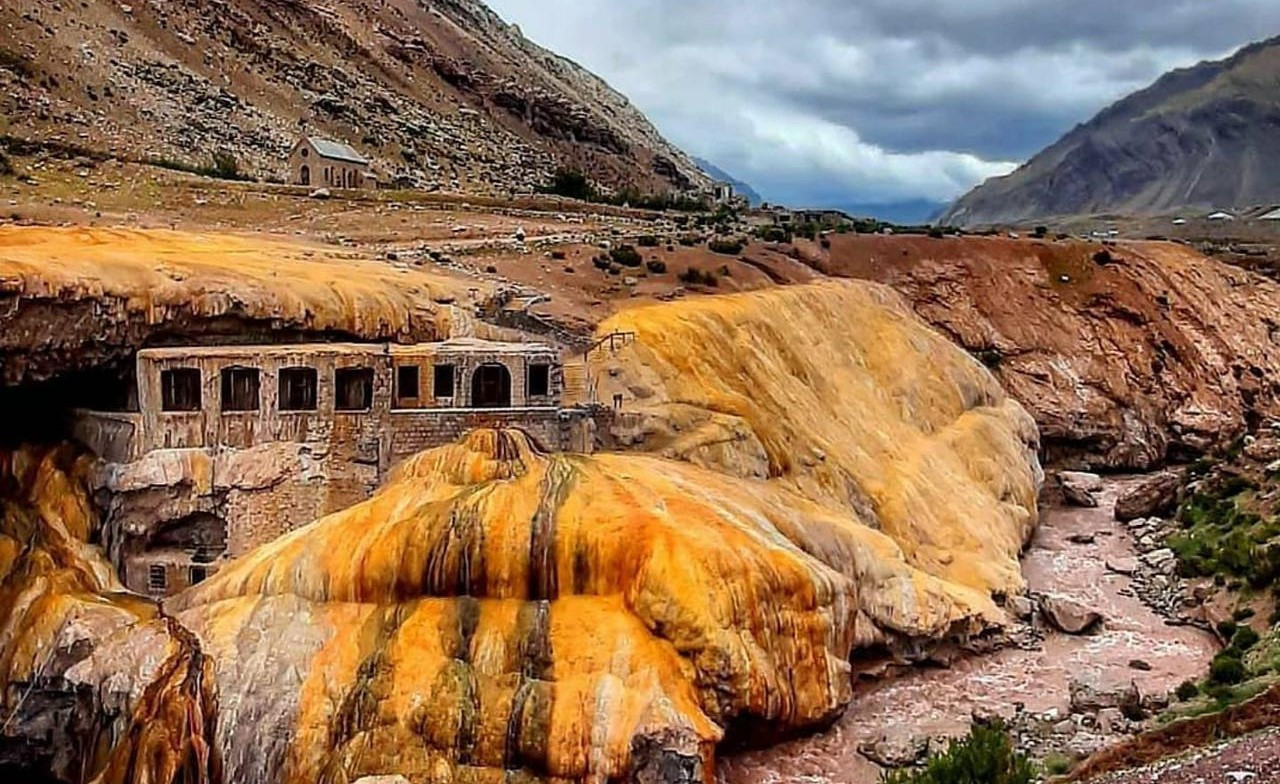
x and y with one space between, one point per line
1201 138
443 94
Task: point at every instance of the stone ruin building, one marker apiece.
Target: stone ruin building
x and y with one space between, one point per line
229 447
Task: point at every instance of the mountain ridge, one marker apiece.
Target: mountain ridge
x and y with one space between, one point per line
1196 138
443 96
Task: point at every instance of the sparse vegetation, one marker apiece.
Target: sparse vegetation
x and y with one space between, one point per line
726 247
773 234
16 64
1227 668
695 277
221 165
1187 690
986 755
573 184
627 256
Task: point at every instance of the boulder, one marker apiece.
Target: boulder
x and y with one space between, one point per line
1068 615
321 193
1090 694
1020 607
1155 495
1078 488
895 748
1122 565
1163 560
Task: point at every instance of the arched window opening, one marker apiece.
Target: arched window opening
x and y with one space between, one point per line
491 387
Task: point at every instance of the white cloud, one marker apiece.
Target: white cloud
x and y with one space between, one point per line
872 101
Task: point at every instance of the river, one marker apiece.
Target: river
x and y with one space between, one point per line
936 701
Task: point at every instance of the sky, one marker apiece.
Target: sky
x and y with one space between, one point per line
881 102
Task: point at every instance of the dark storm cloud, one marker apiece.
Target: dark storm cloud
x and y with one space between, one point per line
865 101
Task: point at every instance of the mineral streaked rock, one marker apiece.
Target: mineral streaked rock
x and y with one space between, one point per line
81 661
77 298
600 617
837 391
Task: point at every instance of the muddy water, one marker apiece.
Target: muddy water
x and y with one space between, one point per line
940 701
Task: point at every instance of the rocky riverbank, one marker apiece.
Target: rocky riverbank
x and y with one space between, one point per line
1063 695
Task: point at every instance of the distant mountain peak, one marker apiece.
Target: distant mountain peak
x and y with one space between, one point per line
1205 137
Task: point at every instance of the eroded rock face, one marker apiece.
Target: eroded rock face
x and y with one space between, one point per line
82 661
1125 360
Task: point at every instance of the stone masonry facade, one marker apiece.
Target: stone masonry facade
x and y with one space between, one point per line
234 446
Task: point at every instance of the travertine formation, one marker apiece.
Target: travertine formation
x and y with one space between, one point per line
79 298
821 483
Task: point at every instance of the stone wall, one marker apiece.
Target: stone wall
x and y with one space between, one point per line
268 471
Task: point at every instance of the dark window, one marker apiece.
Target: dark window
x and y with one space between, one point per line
198 575
305 152
353 389
407 382
539 380
180 389
298 389
157 577
491 387
240 388
444 382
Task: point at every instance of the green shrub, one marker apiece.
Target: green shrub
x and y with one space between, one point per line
1187 690
986 756
656 266
1227 628
647 241
696 277
1244 639
559 255
6 168
726 247
1102 258
222 165
627 256
935 232
1243 614
1056 764
1226 669
601 262
688 240
774 234
570 183
1041 232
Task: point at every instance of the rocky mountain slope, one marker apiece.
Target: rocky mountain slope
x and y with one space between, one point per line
1126 356
498 611
1204 138
443 94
